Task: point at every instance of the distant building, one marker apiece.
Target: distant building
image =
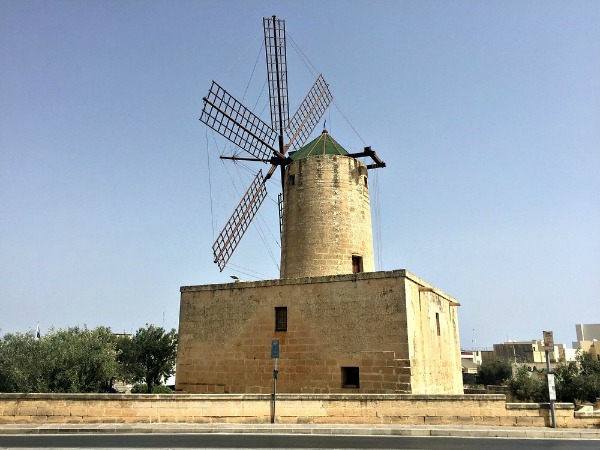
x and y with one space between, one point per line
587 331
487 356
588 338
470 362
473 356
529 353
525 351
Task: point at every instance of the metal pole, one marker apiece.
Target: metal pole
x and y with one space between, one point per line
553 424
274 391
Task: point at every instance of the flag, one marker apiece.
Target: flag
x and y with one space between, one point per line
37 332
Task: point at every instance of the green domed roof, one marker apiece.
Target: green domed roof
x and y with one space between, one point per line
323 145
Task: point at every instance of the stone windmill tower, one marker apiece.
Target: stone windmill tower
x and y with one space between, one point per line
325 218
326 212
339 330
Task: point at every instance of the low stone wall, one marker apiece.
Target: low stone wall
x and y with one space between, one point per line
290 408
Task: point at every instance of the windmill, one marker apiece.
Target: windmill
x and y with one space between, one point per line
265 143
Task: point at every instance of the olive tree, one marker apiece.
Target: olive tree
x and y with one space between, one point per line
495 372
70 360
148 356
576 382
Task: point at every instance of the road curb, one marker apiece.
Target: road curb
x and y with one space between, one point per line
341 429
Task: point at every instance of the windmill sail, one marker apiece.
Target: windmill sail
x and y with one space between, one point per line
228 117
280 204
309 113
239 221
275 50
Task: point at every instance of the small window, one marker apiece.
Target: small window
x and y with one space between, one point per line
437 323
281 318
292 180
366 182
350 377
357 264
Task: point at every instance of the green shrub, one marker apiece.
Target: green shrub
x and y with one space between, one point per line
148 356
576 382
139 388
70 360
161 389
494 373
142 388
526 388
567 374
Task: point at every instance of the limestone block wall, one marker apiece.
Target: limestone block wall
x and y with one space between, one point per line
291 408
357 321
326 217
432 323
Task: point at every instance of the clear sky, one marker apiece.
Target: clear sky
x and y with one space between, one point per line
487 114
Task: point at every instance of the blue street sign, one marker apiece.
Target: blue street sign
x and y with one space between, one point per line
275 348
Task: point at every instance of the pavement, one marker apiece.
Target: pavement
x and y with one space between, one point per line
314 429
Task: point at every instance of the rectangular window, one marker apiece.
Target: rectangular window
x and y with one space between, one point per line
281 318
350 377
357 264
437 323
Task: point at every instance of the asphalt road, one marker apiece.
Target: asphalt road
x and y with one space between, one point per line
284 441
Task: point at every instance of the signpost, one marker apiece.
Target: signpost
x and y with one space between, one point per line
552 387
549 341
549 347
275 356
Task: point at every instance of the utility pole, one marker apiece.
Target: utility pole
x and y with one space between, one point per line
549 347
275 356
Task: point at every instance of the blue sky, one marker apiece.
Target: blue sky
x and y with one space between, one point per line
487 114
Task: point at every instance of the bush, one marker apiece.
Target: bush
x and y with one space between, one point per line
161 389
494 373
588 381
526 388
139 388
576 382
70 360
142 388
566 374
148 356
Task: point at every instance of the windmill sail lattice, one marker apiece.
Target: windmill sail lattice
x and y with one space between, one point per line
237 225
309 113
228 117
275 50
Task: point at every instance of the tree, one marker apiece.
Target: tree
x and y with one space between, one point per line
70 360
83 360
566 374
526 388
148 356
494 373
588 381
576 382
20 364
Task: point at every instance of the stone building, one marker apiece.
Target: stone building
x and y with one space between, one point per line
372 332
588 338
341 326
